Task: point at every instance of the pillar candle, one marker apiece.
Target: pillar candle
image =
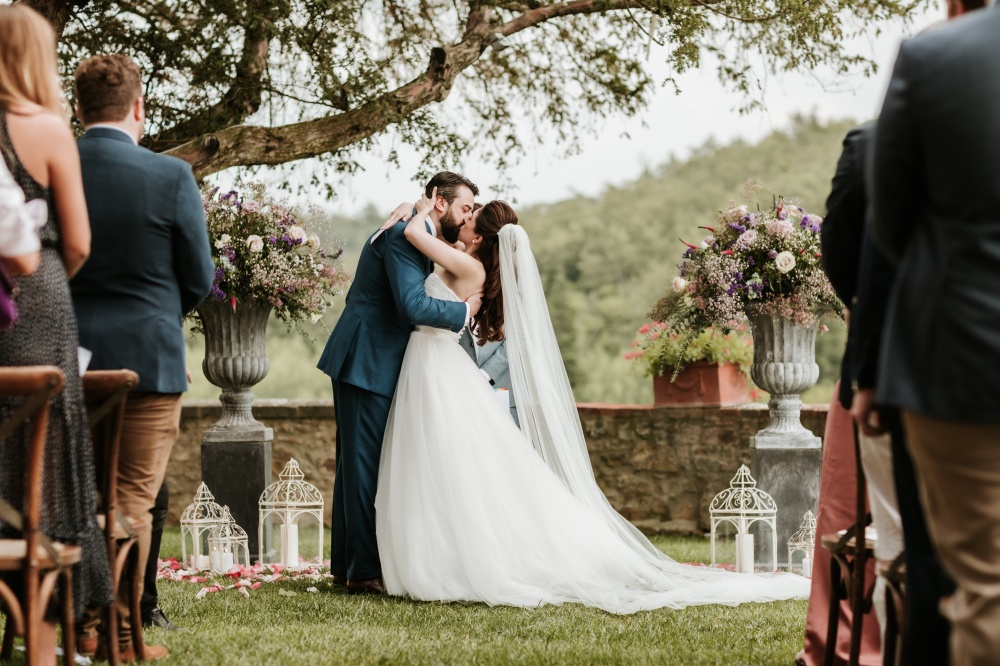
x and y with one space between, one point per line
744 553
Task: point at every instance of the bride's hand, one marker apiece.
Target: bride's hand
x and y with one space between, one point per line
403 212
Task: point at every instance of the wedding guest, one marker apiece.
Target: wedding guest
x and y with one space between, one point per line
151 265
936 208
39 151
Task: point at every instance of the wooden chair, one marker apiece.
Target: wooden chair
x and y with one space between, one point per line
847 569
42 563
105 392
895 612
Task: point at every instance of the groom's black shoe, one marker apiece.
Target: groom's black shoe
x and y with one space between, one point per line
370 586
340 581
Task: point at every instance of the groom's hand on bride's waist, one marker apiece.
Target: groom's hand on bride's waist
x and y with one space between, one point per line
474 302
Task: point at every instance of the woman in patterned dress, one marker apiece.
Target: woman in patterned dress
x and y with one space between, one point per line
39 149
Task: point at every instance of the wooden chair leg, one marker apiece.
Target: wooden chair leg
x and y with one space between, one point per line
135 604
857 597
833 618
111 634
891 636
68 618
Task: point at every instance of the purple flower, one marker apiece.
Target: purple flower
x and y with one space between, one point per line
218 293
288 240
808 223
737 276
771 254
733 288
688 253
273 240
750 262
737 227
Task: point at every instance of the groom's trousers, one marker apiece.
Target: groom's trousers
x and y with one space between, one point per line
361 420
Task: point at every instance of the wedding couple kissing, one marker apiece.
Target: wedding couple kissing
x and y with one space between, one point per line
439 495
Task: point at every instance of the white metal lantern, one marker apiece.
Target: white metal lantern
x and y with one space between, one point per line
197 522
744 504
295 506
228 544
804 541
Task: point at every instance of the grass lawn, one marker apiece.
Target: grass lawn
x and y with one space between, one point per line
330 627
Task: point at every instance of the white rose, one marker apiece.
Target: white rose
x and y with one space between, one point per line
315 317
255 242
314 241
296 233
223 241
251 206
784 262
680 284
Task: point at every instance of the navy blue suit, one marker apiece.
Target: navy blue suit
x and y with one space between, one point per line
363 357
150 261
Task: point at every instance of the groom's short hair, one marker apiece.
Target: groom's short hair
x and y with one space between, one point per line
447 184
106 88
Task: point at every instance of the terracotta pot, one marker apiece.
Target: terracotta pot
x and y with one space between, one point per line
702 384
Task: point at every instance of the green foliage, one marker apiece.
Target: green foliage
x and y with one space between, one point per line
604 261
658 348
561 67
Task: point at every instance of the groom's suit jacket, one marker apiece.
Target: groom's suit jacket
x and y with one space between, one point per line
492 360
385 302
936 207
150 261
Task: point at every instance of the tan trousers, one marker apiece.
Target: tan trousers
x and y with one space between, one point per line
149 431
958 470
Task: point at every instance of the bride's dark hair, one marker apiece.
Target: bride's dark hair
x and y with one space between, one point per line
489 319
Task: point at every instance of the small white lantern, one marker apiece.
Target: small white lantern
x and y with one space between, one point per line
296 507
744 504
228 544
804 540
197 522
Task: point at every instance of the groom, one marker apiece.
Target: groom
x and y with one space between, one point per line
363 357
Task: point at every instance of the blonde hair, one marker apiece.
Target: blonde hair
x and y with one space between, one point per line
29 74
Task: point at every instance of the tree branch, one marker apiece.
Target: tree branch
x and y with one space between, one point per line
56 12
246 145
242 100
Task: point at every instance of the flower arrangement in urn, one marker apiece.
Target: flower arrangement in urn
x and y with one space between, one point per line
752 262
265 255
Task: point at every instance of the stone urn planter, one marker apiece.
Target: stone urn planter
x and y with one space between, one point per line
702 383
236 450
785 456
235 358
784 365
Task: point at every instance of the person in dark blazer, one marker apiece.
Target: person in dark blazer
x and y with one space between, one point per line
364 356
935 187
862 278
150 265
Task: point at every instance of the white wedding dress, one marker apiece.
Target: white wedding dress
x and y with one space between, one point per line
470 508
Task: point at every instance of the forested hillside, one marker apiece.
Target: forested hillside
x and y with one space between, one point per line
605 259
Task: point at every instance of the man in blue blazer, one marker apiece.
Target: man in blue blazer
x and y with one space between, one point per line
150 264
364 356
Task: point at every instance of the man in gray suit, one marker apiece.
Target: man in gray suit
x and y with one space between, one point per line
492 361
936 203
150 264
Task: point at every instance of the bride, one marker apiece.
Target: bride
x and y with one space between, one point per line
471 508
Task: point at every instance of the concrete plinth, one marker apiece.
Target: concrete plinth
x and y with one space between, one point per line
790 474
236 467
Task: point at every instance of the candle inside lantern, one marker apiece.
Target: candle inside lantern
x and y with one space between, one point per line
203 563
214 559
807 567
226 561
744 553
290 545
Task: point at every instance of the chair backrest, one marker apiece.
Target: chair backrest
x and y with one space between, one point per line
105 392
38 384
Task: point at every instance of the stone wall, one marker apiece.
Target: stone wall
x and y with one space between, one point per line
659 466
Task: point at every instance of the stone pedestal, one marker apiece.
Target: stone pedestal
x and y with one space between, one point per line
791 477
237 469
